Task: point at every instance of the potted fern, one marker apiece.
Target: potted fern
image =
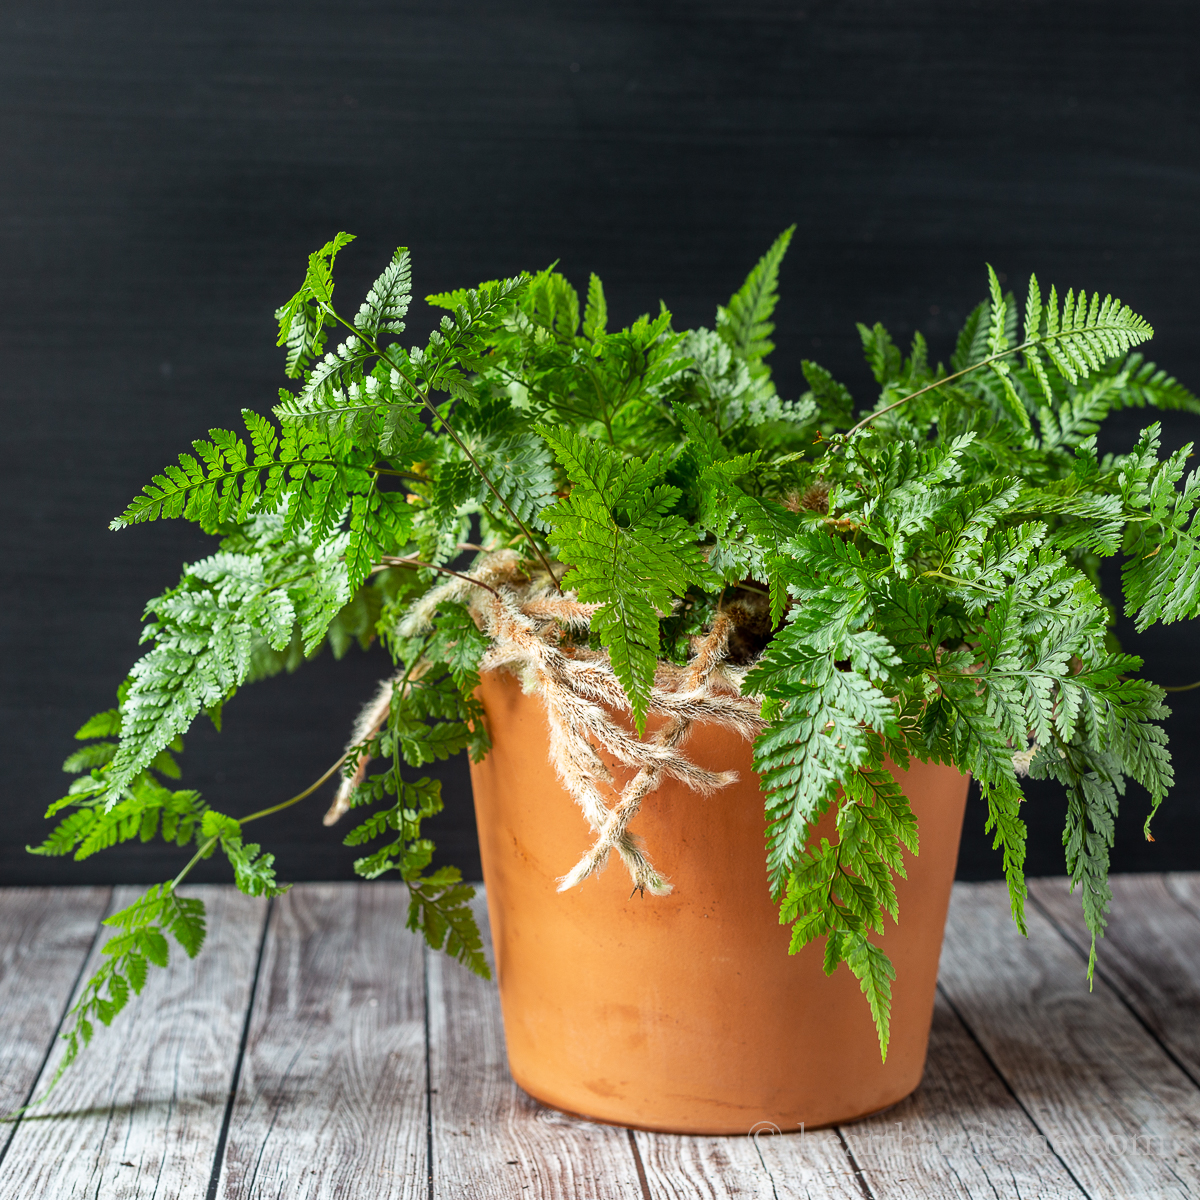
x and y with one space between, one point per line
751 646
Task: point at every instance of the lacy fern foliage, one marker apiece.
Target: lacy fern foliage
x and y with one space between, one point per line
914 579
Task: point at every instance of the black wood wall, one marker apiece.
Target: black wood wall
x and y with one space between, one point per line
167 166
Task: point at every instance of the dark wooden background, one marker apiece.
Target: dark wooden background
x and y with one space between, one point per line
167 166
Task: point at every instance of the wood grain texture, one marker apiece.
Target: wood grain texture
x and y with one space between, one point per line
1185 887
490 1140
1150 952
1121 1116
139 1114
331 1100
45 934
960 1135
764 1165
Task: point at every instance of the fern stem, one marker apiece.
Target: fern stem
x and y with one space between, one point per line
399 474
1186 688
308 791
416 564
383 354
266 812
494 490
940 383
201 853
982 587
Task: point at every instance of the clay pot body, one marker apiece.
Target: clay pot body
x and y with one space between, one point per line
685 1013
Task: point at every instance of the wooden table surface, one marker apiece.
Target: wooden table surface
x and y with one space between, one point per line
315 1049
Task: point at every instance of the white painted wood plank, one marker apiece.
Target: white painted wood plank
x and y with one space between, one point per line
490 1140
140 1112
331 1102
1119 1114
960 1135
1150 953
45 934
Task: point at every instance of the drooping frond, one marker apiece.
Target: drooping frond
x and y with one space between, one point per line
205 629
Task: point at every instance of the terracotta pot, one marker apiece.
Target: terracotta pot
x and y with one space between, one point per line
685 1013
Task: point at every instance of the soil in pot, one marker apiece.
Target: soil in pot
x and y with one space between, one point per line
685 1013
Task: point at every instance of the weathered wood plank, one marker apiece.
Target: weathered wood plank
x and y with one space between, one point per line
140 1113
1150 952
490 1140
763 1165
1185 887
331 1100
961 1134
1121 1116
45 934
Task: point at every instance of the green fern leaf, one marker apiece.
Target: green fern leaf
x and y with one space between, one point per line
595 315
972 343
1081 337
303 319
874 971
205 632
439 908
1144 383
388 300
744 324
882 354
126 957
1003 801
628 552
104 724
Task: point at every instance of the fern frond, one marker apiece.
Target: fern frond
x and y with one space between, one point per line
882 354
149 807
1161 577
1003 801
1145 383
874 972
388 300
1081 336
835 405
142 942
458 342
972 344
627 552
439 909
1088 837
223 485
553 304
253 871
205 631
304 318
595 315
745 322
